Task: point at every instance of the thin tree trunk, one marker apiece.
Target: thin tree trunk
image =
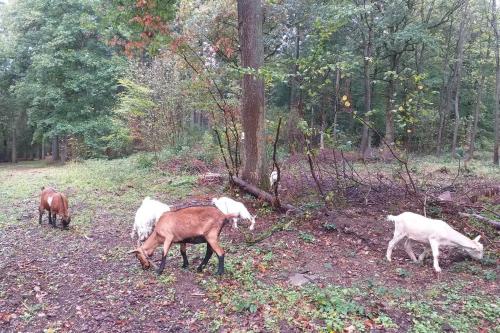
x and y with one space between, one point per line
43 148
64 149
477 110
336 102
313 123
479 98
458 76
323 126
389 114
295 99
13 157
367 60
250 20
55 149
494 24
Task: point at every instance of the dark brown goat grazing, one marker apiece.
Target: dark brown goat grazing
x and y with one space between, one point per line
194 225
56 203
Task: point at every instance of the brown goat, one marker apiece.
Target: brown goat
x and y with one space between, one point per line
194 225
56 203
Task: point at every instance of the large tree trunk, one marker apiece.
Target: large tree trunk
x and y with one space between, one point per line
494 24
250 18
295 102
458 77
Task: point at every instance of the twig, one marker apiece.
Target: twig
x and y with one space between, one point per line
311 167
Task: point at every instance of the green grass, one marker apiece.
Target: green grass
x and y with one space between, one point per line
115 187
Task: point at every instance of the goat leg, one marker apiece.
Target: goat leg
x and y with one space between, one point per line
166 247
409 250
185 262
54 220
395 239
220 270
423 255
212 241
208 255
435 254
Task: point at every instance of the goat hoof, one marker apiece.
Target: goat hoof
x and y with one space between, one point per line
199 269
159 272
220 273
184 266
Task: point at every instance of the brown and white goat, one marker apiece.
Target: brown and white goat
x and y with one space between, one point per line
56 203
193 225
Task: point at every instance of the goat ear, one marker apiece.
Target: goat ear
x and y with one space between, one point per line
477 238
133 251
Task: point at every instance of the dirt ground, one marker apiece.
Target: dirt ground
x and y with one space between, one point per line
82 280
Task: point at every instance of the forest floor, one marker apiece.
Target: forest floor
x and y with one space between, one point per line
83 280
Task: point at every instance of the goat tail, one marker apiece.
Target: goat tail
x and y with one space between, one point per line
392 218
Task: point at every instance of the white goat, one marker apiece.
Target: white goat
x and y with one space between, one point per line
273 178
146 217
229 206
435 232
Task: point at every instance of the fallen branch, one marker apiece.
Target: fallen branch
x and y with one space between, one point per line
494 223
261 194
251 239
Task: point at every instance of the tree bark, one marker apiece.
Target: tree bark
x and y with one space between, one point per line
250 20
494 24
